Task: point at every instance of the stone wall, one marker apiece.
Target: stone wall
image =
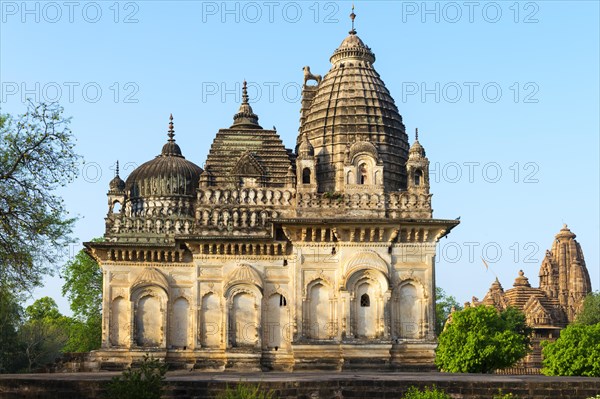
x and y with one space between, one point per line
310 385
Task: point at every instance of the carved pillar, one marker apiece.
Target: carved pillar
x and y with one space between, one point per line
132 324
106 294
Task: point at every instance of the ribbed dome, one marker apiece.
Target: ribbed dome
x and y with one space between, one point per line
352 104
166 175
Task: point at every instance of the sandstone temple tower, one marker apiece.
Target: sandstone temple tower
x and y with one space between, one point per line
564 284
321 257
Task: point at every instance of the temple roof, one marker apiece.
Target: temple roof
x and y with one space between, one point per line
246 150
166 175
351 104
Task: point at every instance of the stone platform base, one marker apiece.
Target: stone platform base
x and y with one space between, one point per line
404 356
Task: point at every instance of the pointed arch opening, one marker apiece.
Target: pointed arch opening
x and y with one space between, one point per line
306 176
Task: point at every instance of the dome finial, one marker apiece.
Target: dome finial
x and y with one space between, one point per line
171 133
171 148
245 97
245 117
352 17
117 169
417 134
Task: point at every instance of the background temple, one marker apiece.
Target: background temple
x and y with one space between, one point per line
564 283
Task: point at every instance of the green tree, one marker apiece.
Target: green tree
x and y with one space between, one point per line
11 317
44 334
443 306
590 311
83 288
36 158
575 352
480 340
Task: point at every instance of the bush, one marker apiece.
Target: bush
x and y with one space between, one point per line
575 352
480 340
427 393
145 382
500 395
246 391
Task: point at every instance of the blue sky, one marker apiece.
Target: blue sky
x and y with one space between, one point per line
505 96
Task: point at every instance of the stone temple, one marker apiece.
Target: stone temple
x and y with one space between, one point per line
564 284
320 257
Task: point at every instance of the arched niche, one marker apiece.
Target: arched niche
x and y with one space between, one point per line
410 310
150 316
119 322
244 315
277 322
319 310
180 315
210 321
368 289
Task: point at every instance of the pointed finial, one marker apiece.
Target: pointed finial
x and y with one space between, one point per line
352 17
245 93
417 134
117 169
171 130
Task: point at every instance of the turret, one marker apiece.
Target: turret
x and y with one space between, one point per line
417 167
306 166
116 193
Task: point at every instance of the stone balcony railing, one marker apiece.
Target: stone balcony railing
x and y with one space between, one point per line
246 196
402 204
226 211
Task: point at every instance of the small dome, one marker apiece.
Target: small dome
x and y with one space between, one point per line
521 280
117 184
416 150
166 175
306 149
565 233
352 47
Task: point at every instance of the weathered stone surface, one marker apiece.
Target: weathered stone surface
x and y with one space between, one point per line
273 259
